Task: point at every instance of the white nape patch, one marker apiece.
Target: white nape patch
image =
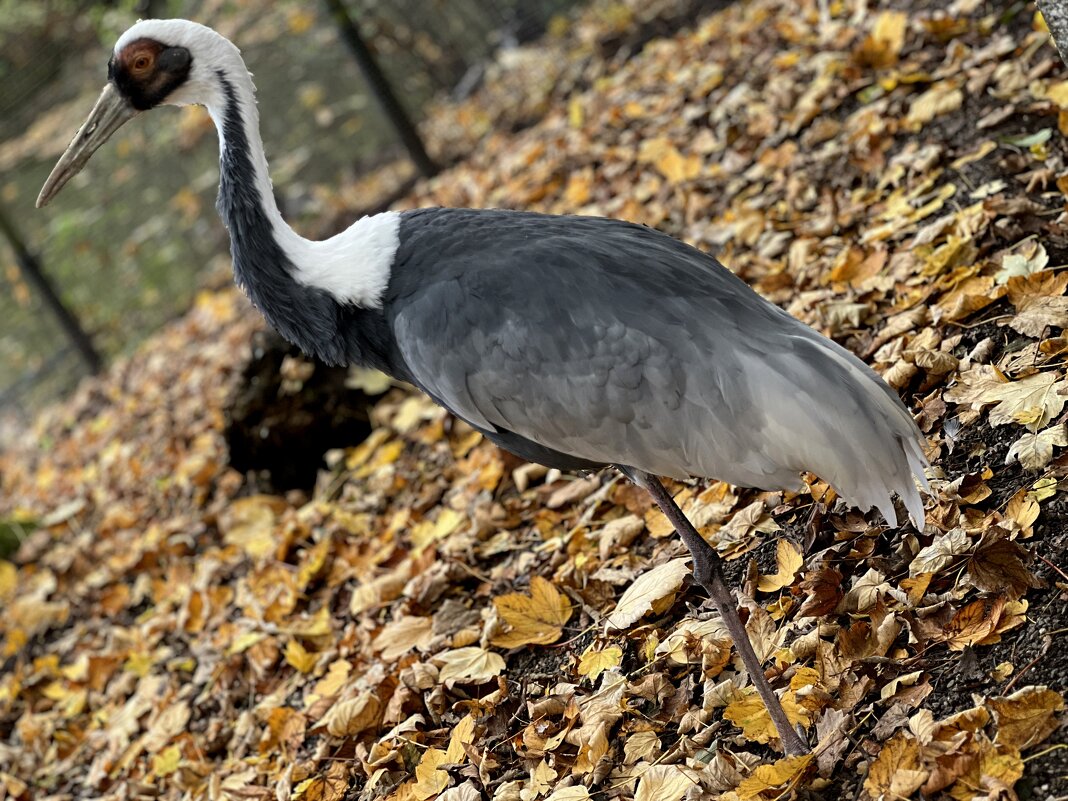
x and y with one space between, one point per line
353 266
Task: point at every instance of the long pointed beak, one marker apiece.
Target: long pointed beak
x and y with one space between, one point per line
110 113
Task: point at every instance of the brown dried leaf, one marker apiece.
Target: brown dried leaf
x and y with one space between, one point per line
1000 566
898 771
1027 717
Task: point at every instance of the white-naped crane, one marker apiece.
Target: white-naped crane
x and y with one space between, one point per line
576 342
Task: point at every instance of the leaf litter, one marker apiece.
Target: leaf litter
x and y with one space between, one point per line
437 619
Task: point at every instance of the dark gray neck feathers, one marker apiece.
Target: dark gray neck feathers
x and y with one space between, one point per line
306 316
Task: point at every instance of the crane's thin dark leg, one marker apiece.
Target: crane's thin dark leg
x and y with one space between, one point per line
708 572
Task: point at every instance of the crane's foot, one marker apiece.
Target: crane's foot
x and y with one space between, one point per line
708 572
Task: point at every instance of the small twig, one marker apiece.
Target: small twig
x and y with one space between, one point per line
1046 642
1053 566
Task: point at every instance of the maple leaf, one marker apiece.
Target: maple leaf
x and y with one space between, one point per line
789 560
535 619
594 661
1024 263
998 565
1032 401
1039 303
973 622
824 590
1027 717
1035 450
996 770
661 582
942 552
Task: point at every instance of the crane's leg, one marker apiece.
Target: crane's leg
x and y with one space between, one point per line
708 572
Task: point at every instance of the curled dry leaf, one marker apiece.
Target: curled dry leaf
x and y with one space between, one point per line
403 635
663 581
354 715
664 783
789 560
471 664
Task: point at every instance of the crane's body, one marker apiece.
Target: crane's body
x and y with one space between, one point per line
576 342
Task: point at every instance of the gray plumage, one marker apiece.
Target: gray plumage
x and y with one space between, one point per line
616 344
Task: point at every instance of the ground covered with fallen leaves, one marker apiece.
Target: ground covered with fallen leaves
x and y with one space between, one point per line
438 619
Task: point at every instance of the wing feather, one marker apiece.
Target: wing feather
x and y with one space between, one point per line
620 345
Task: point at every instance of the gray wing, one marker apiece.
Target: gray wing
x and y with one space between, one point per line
617 344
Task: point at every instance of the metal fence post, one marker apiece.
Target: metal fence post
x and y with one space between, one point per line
31 269
380 87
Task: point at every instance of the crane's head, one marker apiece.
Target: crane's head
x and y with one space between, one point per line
156 62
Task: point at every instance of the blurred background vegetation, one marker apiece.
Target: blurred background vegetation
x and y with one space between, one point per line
134 236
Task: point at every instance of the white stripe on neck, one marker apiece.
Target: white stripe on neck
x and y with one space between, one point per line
353 266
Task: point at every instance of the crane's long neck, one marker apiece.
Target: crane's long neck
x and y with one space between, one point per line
303 288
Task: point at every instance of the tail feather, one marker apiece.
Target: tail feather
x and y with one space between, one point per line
837 418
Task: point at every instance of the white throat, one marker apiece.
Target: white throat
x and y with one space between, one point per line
352 266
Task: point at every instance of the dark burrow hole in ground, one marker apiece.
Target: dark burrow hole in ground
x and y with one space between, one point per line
279 428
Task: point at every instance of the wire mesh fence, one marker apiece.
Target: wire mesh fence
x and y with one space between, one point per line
130 242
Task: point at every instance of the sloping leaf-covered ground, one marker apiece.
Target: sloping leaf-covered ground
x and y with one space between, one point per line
440 619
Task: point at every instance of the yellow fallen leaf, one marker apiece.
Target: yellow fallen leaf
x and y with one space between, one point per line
447 522
337 676
750 715
329 786
593 662
942 98
660 582
669 162
535 619
249 523
789 560
462 734
429 781
998 767
773 777
9 579
973 622
297 656
167 761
